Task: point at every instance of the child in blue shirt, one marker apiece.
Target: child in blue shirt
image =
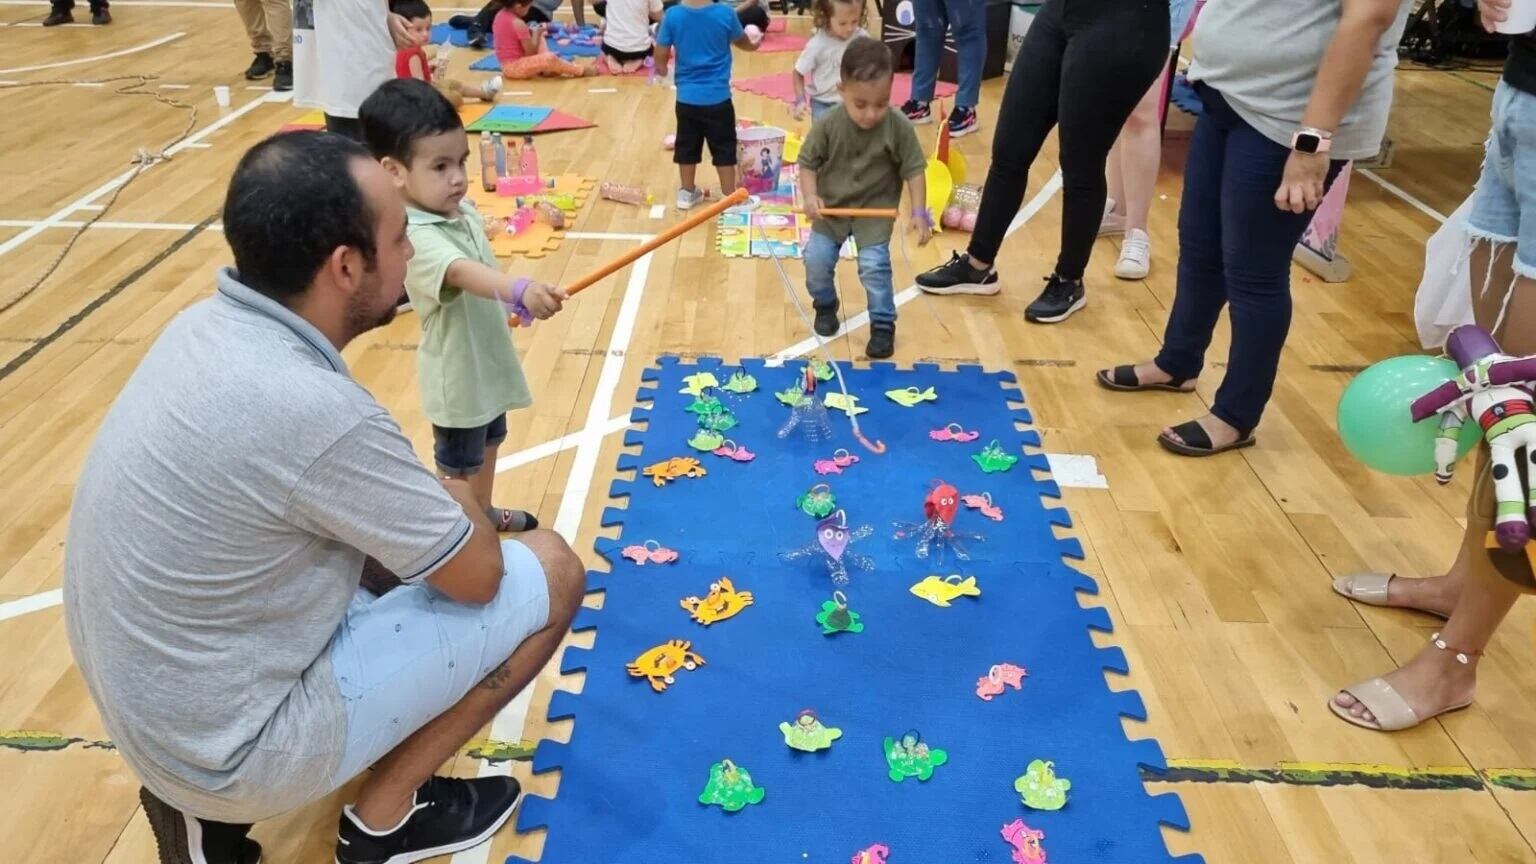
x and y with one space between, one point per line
701 32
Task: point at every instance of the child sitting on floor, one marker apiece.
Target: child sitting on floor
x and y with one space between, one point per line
469 375
421 61
702 33
627 33
858 155
816 73
521 49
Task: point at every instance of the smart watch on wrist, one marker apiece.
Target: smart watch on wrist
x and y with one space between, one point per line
1310 140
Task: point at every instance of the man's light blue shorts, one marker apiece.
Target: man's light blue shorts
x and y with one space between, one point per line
403 659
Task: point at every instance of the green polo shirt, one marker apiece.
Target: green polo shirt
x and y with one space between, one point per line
861 168
468 368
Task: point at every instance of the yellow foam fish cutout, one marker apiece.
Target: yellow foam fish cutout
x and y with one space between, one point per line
940 590
911 397
695 384
848 403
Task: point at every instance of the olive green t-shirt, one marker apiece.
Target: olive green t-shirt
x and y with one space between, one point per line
468 368
861 168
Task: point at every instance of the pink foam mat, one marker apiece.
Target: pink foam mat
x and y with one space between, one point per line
780 86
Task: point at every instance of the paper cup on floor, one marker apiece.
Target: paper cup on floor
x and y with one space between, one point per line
759 156
1521 17
221 95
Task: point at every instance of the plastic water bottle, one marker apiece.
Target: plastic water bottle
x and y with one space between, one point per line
501 154
488 163
528 163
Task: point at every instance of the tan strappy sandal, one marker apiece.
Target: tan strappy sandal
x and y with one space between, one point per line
1392 711
1371 589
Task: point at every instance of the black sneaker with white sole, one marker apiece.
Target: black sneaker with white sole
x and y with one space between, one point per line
882 340
1058 301
918 113
183 839
957 276
450 815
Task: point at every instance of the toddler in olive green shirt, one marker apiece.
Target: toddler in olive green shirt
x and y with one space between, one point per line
858 155
468 368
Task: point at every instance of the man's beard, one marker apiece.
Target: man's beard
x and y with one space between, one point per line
360 318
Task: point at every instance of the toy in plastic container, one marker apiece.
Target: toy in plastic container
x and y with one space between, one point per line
964 204
806 412
624 194
1040 788
831 546
936 534
730 787
910 757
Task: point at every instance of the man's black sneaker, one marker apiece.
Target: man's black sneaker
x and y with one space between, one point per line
183 839
882 340
57 17
450 815
282 82
101 16
957 276
917 112
827 322
1058 301
260 67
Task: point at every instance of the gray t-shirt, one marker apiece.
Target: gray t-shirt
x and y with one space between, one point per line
1263 55
216 539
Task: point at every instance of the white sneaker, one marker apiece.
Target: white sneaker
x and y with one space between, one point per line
1112 223
1135 255
687 199
493 88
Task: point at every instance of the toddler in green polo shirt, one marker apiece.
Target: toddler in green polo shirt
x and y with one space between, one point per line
468 368
859 154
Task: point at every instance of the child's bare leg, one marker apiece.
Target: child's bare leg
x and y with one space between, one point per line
727 178
483 482
629 66
688 174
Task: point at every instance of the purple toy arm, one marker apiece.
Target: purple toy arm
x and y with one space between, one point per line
1514 371
1435 400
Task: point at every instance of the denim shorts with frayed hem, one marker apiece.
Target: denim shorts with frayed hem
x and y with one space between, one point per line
1504 206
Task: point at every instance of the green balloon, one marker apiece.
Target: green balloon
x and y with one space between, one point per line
1375 420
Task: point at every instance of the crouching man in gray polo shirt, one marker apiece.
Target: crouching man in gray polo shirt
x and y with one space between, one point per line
221 526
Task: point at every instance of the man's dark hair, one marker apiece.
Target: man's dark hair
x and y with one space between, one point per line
400 113
865 60
292 202
410 8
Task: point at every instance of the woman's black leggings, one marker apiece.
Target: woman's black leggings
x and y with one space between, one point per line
1084 65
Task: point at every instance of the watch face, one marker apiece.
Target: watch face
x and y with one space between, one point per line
1307 142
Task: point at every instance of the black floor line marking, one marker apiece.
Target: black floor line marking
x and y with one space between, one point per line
78 318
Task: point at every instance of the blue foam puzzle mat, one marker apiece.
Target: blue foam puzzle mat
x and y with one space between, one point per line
488 63
638 760
458 38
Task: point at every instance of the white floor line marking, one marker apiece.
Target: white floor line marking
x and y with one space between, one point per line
810 343
602 89
93 207
90 197
175 86
1034 205
1076 471
200 146
658 211
606 235
510 723
103 225
550 448
1403 194
267 88
79 60
517 92
34 603
88 84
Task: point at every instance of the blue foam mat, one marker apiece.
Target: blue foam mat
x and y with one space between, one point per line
637 760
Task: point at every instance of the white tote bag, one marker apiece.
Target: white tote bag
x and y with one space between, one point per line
1444 300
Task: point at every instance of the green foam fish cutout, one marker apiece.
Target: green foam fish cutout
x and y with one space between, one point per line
834 618
706 441
821 370
848 403
911 397
993 458
793 396
910 757
1040 788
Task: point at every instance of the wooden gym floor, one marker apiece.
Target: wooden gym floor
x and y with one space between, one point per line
1216 572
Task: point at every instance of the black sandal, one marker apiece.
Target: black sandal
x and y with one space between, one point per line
1197 443
1124 380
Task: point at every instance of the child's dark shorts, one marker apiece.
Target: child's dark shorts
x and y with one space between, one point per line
697 124
461 452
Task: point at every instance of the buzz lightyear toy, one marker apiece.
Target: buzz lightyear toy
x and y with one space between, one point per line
1496 390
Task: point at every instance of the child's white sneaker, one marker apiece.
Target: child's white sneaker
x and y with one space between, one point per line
687 199
1135 255
493 88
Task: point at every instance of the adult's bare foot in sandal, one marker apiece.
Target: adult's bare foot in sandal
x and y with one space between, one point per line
1220 435
1143 376
1430 684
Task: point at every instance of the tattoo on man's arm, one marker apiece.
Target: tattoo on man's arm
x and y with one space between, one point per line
498 677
